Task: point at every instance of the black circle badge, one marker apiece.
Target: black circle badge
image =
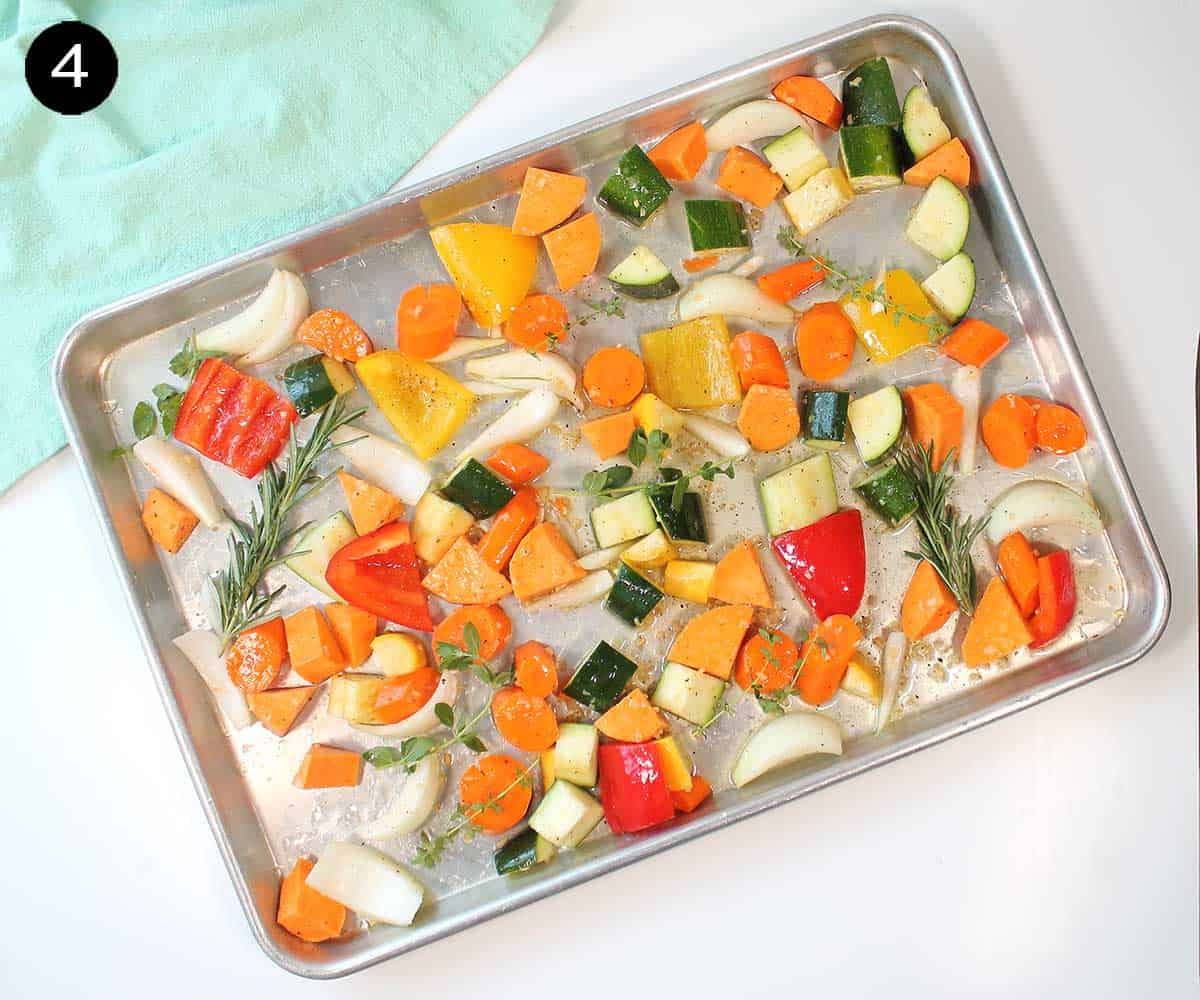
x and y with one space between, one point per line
71 67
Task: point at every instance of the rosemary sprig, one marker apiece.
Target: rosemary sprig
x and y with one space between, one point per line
254 545
945 537
859 285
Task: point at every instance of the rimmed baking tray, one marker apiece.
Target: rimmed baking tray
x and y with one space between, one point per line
361 261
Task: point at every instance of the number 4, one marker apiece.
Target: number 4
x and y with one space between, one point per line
74 60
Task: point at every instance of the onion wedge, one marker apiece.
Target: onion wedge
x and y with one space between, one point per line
461 347
279 338
783 740
383 462
1036 503
601 558
424 720
241 333
411 808
522 370
731 295
895 651
368 882
521 422
202 647
967 386
752 121
575 595
725 439
180 473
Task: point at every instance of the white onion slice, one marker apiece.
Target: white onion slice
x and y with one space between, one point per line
730 295
725 439
783 740
521 422
368 882
481 388
522 370
461 347
180 473
424 720
1036 503
967 385
747 267
278 339
575 595
383 462
602 558
752 121
895 651
242 332
413 805
202 647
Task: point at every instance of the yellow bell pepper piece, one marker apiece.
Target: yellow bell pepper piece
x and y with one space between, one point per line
688 579
676 769
547 761
884 334
862 680
652 414
690 365
492 267
424 404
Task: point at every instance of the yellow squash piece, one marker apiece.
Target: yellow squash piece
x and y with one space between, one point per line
690 365
676 768
424 404
491 266
884 335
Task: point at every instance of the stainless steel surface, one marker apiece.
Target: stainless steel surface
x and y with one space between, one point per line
362 261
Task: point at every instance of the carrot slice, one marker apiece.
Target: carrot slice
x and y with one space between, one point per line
997 628
701 263
313 650
329 767
303 911
1059 429
1019 567
524 720
535 669
739 579
935 420
633 719
824 341
614 376
573 250
426 320
928 603
511 523
710 641
766 662
256 656
811 97
491 624
974 342
769 418
950 161
758 361
543 562
335 335
826 656
354 630
463 576
370 507
1008 429
547 198
279 708
167 521
609 435
540 321
680 155
403 695
687 801
785 283
746 176
518 464
493 793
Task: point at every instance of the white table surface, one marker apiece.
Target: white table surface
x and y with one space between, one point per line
1054 852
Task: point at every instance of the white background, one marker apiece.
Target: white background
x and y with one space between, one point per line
1054 852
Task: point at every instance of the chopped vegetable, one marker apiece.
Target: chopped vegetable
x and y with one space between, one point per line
525 370
166 520
437 523
890 493
510 525
966 385
1019 567
540 321
642 275
758 361
750 122
950 161
693 265
202 647
632 720
491 266
821 197
342 691
316 547
600 678
1008 430
329 767
491 625
535 669
255 659
738 578
543 562
387 464
725 439
895 652
314 382
825 657
424 404
827 561
951 288
824 341
928 603
974 342
862 680
426 320
462 347
182 477
811 97
691 695
652 414
519 424
573 250
784 740
676 766
282 334
303 911
710 641
524 720
464 576
785 283
795 157
726 294
871 156
245 330
518 464
522 853
1059 430
279 708
799 495
401 696
940 221
566 815
997 627
312 649
413 806
922 124
907 320
651 552
632 597
613 376
494 793
689 580
633 789
575 595
397 653
716 225
1056 598
869 95
766 663
935 420
1037 503
547 199
690 800
680 155
335 335
609 436
824 418
745 176
368 882
689 365
379 573
769 418
370 507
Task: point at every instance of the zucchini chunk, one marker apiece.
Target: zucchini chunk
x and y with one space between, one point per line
642 275
877 421
922 124
799 495
477 488
566 815
889 493
939 223
317 546
576 757
623 520
314 382
526 850
716 225
824 420
871 155
952 286
601 677
869 95
818 199
685 524
795 157
636 189
688 694
632 597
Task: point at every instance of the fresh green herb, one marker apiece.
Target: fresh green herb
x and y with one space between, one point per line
614 481
189 359
776 702
168 399
609 307
654 445
945 537
145 420
415 749
842 279
599 482
451 657
254 545
699 731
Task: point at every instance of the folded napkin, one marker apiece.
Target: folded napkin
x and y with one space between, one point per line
232 122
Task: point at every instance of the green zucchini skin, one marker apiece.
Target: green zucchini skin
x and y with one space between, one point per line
314 382
477 488
520 853
600 678
685 524
632 597
871 154
824 420
642 275
715 224
869 95
636 189
890 494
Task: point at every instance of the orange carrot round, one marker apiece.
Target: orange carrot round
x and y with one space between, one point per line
493 793
490 621
427 319
536 669
1059 429
402 695
766 664
757 360
526 721
538 321
1008 430
614 376
824 341
256 656
769 418
826 655
335 335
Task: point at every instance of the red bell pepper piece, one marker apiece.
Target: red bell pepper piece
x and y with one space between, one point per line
198 412
633 788
380 573
828 562
1056 598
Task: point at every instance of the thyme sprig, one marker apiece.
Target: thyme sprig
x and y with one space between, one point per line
614 481
945 538
605 307
698 732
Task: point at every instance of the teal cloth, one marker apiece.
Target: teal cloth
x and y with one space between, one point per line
232 122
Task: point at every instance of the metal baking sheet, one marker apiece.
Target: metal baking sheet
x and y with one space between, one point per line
362 261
